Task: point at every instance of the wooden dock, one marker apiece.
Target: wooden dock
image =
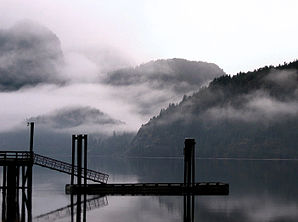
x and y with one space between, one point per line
17 179
150 189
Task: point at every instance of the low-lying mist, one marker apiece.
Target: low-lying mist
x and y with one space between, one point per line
78 90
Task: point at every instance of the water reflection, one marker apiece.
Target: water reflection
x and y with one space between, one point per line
77 211
74 209
260 191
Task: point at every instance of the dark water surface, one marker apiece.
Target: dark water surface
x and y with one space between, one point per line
260 190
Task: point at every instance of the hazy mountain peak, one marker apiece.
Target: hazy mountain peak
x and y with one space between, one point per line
29 54
179 75
76 116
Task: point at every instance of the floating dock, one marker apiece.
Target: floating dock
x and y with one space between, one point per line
150 189
188 188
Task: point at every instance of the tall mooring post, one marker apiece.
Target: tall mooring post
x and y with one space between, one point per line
189 162
79 153
189 178
17 178
29 172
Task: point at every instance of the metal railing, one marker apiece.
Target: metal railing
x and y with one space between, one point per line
43 161
15 156
67 168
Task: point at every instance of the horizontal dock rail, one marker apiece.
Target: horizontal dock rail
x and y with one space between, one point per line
15 157
151 189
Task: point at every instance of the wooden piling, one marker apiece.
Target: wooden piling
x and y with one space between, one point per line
73 157
79 178
4 194
23 212
12 208
189 178
85 178
189 162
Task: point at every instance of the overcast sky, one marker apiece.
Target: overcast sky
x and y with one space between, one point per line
97 36
237 35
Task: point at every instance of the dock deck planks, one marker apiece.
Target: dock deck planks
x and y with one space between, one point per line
150 189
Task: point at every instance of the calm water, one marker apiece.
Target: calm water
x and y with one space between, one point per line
260 190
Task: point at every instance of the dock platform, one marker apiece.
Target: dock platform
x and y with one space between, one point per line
150 189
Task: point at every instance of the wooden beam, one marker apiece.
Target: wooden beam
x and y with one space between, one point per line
150 189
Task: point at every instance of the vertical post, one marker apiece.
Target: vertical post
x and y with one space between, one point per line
79 149
29 192
73 157
79 159
188 208
29 174
189 179
185 208
185 167
85 159
193 163
71 208
79 180
18 190
85 176
23 214
192 210
12 208
31 136
189 162
4 193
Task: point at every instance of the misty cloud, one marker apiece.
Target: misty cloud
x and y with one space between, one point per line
144 100
178 75
264 105
283 78
73 117
255 208
152 86
29 54
256 107
273 100
34 70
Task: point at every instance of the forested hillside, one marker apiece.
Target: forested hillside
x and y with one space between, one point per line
253 114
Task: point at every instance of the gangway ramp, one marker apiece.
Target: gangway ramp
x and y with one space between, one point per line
30 158
64 167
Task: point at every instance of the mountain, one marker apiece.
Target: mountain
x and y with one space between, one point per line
29 54
253 114
178 75
70 118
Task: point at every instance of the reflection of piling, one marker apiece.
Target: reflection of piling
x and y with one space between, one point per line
189 203
189 179
4 194
79 152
